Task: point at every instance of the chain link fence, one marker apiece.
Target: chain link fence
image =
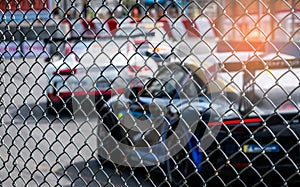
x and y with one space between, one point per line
149 93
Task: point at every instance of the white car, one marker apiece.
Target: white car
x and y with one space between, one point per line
97 70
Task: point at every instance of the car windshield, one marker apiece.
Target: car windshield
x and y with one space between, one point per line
168 83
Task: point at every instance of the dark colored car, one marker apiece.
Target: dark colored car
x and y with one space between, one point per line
204 129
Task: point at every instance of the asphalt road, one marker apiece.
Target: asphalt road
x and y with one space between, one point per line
39 149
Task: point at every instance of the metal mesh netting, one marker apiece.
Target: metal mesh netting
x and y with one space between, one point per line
149 93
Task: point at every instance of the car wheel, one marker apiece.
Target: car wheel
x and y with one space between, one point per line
183 168
108 123
180 168
64 107
51 108
181 171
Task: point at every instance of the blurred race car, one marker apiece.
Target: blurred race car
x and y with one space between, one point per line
206 129
100 68
89 69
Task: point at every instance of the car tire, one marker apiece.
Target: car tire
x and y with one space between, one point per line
181 171
63 107
51 108
108 122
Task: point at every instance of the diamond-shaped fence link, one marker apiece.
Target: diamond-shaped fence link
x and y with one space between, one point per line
149 93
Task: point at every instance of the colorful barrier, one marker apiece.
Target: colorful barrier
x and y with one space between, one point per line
174 28
10 49
30 49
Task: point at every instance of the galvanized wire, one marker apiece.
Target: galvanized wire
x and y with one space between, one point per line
149 93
